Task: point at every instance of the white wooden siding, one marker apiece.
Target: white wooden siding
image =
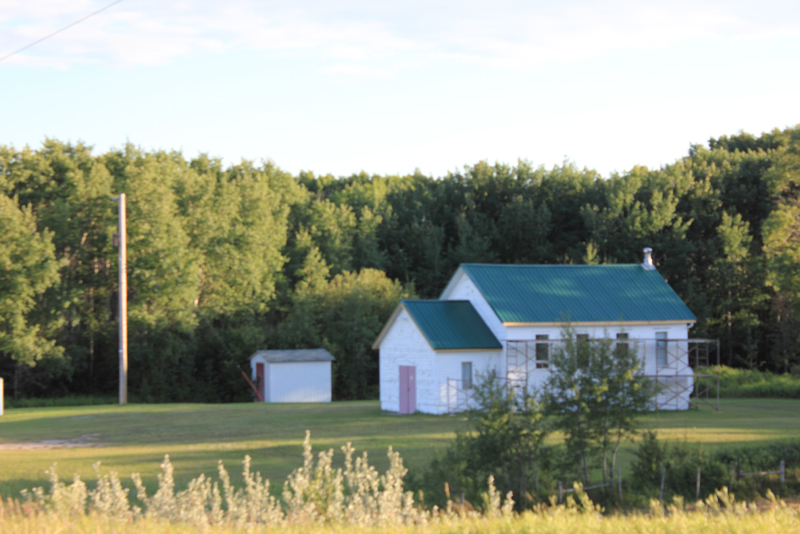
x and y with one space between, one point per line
448 365
294 381
299 382
640 336
404 344
266 383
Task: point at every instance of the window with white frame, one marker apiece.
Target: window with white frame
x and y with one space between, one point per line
622 344
661 349
582 347
542 352
466 375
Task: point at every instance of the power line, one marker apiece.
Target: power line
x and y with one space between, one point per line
233 359
59 31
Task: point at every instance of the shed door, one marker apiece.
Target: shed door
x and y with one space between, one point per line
260 379
408 389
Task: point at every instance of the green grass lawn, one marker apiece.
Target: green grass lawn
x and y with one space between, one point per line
739 422
135 438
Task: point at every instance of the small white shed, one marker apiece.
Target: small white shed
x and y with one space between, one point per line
302 375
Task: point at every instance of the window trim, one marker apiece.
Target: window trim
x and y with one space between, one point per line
661 349
466 378
622 344
582 349
542 349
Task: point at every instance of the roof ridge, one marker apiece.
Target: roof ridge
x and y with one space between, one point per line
549 265
433 301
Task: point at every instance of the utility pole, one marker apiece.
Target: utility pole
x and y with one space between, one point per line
123 303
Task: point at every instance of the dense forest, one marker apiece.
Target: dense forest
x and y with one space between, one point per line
226 260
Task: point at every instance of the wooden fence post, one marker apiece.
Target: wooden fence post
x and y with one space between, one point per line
448 397
733 474
560 492
610 486
697 496
783 472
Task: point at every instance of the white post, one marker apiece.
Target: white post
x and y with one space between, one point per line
1 396
123 304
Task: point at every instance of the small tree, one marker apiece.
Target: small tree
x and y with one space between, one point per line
343 314
510 428
596 391
505 442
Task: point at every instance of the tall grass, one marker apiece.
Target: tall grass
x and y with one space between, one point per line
719 514
745 383
316 493
354 498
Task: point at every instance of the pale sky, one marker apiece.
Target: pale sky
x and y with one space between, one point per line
389 86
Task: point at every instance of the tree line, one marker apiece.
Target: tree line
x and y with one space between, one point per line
223 261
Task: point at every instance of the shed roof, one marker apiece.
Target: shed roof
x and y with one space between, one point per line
451 324
299 355
578 293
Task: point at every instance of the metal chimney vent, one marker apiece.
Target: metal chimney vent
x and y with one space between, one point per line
647 264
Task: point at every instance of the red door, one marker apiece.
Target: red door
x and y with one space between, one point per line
260 379
408 389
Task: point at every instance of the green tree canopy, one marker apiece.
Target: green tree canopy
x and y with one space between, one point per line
28 268
343 315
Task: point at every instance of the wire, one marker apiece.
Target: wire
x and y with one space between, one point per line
233 359
59 31
219 337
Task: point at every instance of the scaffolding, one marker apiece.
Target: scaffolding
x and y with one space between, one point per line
683 373
528 361
681 368
461 399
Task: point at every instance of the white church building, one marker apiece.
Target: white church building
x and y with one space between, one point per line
508 319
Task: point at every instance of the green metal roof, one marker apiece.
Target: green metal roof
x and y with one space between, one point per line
578 293
451 324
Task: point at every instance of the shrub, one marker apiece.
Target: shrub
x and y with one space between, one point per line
504 444
744 383
678 465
